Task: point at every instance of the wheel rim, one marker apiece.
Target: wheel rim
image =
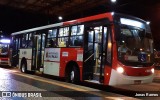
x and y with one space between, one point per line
72 75
23 68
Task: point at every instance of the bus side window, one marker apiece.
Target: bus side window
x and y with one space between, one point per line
24 41
51 39
76 38
52 43
62 41
30 40
76 41
63 37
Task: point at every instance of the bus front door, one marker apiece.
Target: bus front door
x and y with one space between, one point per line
94 54
38 52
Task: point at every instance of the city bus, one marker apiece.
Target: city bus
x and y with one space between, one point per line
4 52
89 49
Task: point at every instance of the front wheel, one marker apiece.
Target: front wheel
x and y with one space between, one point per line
73 75
23 67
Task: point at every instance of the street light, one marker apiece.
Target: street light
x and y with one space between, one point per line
5 41
60 17
113 1
148 22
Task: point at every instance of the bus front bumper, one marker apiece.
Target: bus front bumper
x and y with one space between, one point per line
120 79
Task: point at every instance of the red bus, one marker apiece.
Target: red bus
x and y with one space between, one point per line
4 52
107 49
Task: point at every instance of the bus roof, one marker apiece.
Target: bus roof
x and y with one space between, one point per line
76 21
90 18
37 28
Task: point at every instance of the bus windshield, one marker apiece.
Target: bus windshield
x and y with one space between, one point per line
135 46
3 50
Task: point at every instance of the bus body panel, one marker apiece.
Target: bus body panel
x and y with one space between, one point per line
91 18
137 71
119 79
27 55
52 61
5 52
5 61
54 66
68 55
51 68
107 75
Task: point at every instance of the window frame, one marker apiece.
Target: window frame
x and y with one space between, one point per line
82 35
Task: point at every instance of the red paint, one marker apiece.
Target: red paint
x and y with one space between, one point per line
136 71
91 18
72 56
4 59
107 74
144 71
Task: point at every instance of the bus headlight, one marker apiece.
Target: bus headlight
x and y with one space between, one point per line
120 70
152 70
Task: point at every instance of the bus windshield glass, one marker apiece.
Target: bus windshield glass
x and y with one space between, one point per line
135 46
3 50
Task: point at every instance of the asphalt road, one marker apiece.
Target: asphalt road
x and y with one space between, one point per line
15 85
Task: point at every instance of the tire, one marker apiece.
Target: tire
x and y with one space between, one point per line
73 75
23 67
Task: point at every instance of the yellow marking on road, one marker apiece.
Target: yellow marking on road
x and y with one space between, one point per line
114 98
54 83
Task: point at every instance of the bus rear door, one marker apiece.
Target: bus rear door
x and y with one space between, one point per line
38 51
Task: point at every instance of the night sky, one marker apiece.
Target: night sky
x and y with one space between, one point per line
12 20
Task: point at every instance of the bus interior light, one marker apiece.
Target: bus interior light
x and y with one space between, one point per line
113 1
5 41
60 17
96 28
148 22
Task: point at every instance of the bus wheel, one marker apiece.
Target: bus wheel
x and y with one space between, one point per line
23 67
73 75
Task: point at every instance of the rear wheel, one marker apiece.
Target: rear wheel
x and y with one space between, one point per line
23 67
73 75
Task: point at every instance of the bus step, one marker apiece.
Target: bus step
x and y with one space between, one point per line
93 81
97 74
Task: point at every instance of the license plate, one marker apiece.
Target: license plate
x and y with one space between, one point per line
137 82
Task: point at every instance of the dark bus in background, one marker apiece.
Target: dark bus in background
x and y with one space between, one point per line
4 52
